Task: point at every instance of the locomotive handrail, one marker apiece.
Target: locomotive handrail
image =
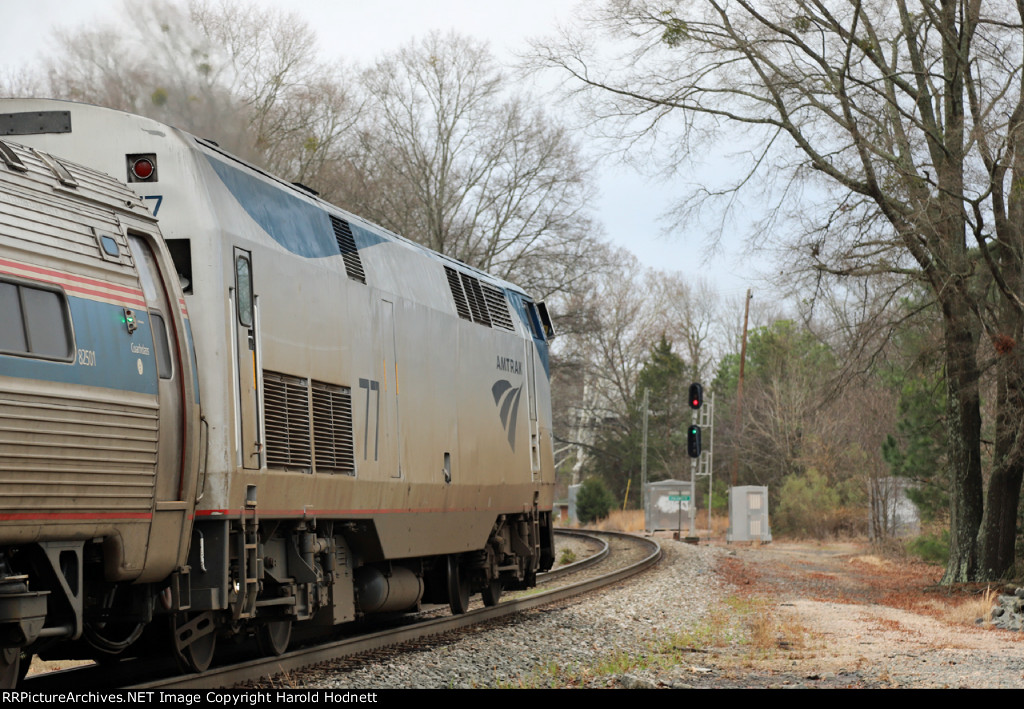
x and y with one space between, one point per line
204 445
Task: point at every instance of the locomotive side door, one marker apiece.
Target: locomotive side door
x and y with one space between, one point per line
248 440
391 434
536 340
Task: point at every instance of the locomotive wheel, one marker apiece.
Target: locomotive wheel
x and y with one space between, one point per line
194 640
458 587
10 667
273 637
491 593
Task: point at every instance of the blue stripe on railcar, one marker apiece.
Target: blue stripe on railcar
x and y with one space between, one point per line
105 354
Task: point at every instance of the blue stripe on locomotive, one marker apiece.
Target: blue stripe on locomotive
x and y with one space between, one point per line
299 226
305 229
99 330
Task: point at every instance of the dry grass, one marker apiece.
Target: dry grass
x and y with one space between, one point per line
719 523
763 630
633 521
871 559
623 521
968 611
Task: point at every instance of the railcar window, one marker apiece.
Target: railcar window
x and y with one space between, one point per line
243 286
34 321
12 328
44 318
163 347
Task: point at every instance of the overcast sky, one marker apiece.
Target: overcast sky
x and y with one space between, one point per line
629 205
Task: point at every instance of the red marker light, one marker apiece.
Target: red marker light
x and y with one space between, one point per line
143 168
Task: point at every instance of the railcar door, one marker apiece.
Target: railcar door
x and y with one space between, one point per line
246 358
171 506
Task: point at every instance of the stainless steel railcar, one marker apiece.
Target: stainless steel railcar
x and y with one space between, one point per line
327 421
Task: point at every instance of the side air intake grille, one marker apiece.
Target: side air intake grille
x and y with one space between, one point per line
480 302
497 307
286 411
461 306
332 429
475 297
349 252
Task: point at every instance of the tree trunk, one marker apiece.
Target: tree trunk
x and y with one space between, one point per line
964 427
999 524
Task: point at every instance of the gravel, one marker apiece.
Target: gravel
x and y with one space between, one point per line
574 634
809 640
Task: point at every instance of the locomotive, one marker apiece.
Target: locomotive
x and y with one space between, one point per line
228 407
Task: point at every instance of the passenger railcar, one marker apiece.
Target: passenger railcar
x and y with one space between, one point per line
250 408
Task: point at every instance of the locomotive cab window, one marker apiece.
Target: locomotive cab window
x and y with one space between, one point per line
549 329
34 321
243 290
535 327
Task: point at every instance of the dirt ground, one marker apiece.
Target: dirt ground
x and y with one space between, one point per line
835 615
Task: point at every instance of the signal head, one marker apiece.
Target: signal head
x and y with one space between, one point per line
696 395
693 441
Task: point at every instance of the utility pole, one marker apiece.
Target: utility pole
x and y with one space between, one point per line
739 394
643 459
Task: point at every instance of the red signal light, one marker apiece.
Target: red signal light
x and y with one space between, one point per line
696 395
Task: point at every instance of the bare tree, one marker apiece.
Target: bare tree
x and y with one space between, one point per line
911 117
299 108
453 158
246 77
693 314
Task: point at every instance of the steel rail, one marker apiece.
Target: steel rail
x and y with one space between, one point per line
576 566
228 676
252 669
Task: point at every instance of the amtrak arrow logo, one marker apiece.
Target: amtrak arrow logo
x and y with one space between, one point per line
507 400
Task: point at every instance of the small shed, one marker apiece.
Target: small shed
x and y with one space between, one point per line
669 504
748 514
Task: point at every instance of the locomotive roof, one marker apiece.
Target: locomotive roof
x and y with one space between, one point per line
305 193
192 142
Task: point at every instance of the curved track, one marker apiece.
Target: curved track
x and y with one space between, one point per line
251 669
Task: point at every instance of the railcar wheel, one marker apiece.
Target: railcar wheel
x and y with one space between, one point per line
458 587
273 637
194 640
491 593
10 667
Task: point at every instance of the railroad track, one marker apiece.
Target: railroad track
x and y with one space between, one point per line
139 675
